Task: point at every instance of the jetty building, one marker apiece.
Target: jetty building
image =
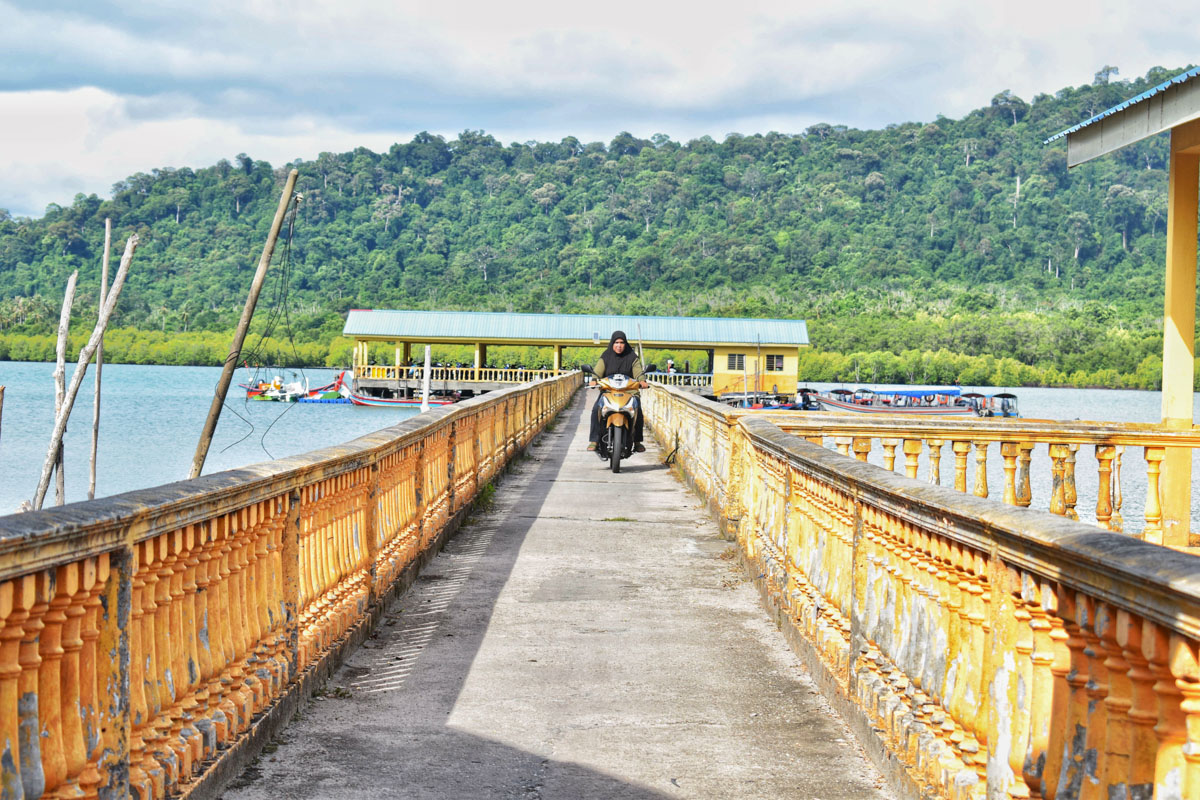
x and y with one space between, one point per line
732 355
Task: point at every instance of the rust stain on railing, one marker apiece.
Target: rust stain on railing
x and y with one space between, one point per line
992 650
144 635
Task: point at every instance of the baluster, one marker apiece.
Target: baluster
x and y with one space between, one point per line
1104 457
862 447
34 600
889 453
1060 734
1070 496
961 449
1058 458
54 762
209 719
93 580
190 676
1008 452
1118 702
1153 531
1024 458
1171 728
139 779
1096 719
842 443
1041 683
220 609
1117 523
71 580
981 481
935 460
13 616
1017 635
912 455
1185 666
1143 711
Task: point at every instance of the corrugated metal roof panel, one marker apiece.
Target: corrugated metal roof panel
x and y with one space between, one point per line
1182 77
482 326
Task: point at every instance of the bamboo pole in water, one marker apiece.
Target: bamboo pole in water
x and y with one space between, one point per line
235 349
99 361
85 355
60 351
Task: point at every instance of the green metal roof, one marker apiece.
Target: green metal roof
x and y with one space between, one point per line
484 327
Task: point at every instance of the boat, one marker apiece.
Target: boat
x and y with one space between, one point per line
278 391
944 402
390 402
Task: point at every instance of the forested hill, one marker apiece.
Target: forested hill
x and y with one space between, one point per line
972 216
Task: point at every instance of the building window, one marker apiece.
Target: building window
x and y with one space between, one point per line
737 362
774 363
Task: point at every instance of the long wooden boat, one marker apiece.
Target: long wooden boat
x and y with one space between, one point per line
385 402
918 403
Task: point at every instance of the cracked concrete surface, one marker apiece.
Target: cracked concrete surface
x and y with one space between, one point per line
551 651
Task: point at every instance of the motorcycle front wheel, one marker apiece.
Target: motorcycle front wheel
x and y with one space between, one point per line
618 447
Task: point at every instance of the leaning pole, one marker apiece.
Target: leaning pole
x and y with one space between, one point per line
235 349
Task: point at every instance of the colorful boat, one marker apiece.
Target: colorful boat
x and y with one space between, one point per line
948 402
278 391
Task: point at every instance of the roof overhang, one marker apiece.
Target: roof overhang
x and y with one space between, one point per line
1166 106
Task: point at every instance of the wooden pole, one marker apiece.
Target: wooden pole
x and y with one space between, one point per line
1 403
85 355
99 361
60 388
235 349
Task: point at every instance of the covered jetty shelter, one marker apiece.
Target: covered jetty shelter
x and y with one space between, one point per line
743 355
1174 106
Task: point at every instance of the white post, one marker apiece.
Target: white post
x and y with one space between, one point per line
425 386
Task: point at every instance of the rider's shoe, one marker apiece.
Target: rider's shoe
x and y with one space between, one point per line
639 448
591 447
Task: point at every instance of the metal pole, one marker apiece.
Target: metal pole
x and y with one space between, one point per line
99 361
235 349
425 387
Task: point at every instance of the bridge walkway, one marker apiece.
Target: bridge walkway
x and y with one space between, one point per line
587 636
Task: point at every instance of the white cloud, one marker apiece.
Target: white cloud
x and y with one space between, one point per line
185 83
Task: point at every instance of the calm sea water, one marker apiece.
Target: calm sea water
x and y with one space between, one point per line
150 421
151 418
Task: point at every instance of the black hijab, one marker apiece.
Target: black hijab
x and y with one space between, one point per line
618 364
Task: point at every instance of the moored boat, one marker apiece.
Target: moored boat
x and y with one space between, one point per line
943 402
390 402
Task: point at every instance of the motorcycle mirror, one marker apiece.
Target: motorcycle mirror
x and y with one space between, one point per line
652 368
586 369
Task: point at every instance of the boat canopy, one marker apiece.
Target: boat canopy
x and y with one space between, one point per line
921 392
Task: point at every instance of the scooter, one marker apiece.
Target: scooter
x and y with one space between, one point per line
619 410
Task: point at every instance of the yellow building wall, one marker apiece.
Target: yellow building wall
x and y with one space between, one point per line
756 378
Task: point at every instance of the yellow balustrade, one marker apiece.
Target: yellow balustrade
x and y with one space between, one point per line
994 650
141 636
1058 444
415 373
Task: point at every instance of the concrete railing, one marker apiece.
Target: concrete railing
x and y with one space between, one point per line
152 640
981 650
1017 445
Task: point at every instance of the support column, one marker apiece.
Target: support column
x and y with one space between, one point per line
1179 327
480 358
558 358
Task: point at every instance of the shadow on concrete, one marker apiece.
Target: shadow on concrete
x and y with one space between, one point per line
397 743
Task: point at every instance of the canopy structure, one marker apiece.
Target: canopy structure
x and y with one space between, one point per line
747 355
1173 106
571 330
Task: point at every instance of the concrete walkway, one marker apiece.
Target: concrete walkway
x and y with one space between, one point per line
587 637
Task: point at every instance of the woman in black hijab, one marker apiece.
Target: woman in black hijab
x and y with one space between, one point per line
618 359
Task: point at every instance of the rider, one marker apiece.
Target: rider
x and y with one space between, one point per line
618 359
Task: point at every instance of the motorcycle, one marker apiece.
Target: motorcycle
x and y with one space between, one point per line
619 410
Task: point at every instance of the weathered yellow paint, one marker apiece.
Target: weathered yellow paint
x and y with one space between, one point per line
134 677
998 652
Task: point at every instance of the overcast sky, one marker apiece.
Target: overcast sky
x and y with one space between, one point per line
93 92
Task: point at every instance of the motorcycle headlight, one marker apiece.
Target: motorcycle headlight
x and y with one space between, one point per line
608 406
